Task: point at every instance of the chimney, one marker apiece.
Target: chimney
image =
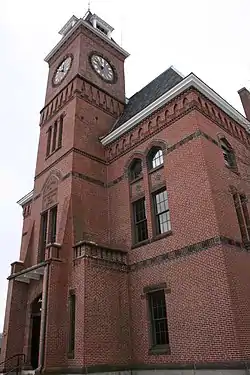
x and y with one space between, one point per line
245 100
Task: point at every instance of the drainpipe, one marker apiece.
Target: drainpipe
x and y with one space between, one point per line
43 318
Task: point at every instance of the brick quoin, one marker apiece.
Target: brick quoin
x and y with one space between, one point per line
203 260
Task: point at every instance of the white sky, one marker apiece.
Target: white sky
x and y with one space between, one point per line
207 37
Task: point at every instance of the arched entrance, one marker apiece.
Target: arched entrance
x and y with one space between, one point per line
35 330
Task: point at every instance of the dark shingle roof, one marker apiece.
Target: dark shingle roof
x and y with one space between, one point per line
148 94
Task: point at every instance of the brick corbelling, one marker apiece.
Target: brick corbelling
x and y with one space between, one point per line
182 142
177 108
71 90
102 261
185 251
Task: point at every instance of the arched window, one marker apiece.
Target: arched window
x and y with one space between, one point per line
155 158
228 153
135 170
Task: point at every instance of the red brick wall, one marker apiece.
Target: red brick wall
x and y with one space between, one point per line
208 304
102 315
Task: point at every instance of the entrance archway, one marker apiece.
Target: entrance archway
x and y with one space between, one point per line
35 331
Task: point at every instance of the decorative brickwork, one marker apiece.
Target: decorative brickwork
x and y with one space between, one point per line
84 207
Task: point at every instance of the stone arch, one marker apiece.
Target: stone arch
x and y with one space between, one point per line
150 126
184 102
156 143
158 120
140 133
175 108
117 149
134 156
50 189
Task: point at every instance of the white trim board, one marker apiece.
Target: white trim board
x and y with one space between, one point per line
190 80
25 199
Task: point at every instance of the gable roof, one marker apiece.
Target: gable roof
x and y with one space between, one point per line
148 94
190 81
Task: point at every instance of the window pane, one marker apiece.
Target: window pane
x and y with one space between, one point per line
54 136
72 309
157 159
162 212
48 141
140 221
60 132
243 201
239 213
228 153
136 169
53 219
43 235
158 318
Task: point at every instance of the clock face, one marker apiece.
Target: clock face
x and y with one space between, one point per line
62 70
103 68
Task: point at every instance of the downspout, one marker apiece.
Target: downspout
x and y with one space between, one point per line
43 318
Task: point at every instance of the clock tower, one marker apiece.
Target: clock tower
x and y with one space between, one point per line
68 206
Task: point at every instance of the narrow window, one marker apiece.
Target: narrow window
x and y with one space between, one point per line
228 153
161 209
135 169
155 158
240 217
49 133
72 312
54 137
53 218
140 221
43 235
60 132
243 201
158 315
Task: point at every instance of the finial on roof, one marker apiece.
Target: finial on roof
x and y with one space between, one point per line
89 5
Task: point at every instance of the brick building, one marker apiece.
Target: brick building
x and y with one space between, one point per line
135 235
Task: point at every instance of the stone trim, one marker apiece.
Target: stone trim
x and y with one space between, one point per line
90 156
103 256
184 251
230 365
152 288
93 157
100 255
88 178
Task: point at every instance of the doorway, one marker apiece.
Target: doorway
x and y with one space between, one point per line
35 331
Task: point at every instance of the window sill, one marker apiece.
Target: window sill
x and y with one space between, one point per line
136 179
71 355
153 239
152 170
159 350
142 243
52 153
162 235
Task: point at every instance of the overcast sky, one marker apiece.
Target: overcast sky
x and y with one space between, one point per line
208 37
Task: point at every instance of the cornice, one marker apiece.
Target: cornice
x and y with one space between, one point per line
27 198
190 81
102 36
